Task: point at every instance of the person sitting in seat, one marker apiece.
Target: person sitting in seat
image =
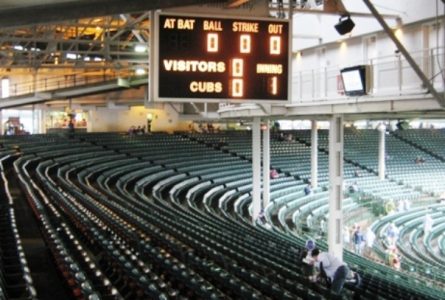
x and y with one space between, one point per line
419 160
393 258
274 174
308 189
306 258
262 217
354 187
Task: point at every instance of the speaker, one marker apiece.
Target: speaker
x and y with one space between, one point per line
344 25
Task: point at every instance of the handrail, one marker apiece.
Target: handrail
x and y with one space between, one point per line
323 83
64 81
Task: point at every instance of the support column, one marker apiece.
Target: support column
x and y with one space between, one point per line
34 120
91 114
314 154
382 164
43 116
335 222
39 120
266 163
256 168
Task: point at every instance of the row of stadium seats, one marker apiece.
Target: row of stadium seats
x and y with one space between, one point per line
119 212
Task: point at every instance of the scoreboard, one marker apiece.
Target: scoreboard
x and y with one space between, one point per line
199 58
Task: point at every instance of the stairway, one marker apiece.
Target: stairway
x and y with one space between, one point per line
43 270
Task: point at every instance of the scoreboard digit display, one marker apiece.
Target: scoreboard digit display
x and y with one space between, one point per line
217 58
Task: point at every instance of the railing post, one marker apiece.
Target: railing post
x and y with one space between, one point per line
399 73
301 85
326 82
313 84
375 77
431 58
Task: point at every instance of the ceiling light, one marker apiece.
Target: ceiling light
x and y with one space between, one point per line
140 48
139 71
71 56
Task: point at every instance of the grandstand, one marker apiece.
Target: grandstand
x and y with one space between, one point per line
119 181
134 217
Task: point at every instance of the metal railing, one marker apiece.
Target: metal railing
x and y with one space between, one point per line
63 81
391 76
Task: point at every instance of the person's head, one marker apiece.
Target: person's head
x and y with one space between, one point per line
310 245
315 253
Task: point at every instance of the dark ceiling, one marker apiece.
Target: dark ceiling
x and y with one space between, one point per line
14 13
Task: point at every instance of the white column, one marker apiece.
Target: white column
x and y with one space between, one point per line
35 119
314 154
335 222
42 119
266 163
256 168
43 115
91 114
382 165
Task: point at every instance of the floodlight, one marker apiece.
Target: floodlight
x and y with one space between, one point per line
344 25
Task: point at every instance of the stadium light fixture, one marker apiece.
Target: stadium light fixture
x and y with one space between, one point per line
344 25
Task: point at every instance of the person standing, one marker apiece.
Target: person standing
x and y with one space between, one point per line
427 224
369 239
392 234
358 240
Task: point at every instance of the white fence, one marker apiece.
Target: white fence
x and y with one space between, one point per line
391 76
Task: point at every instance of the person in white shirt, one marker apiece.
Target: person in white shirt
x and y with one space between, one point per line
406 204
427 224
369 240
334 268
392 234
400 206
309 221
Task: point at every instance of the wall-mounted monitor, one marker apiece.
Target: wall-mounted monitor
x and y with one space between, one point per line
210 58
356 80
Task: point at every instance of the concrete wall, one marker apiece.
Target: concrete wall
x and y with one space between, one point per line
165 118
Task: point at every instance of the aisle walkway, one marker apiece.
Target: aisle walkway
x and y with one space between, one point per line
46 280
